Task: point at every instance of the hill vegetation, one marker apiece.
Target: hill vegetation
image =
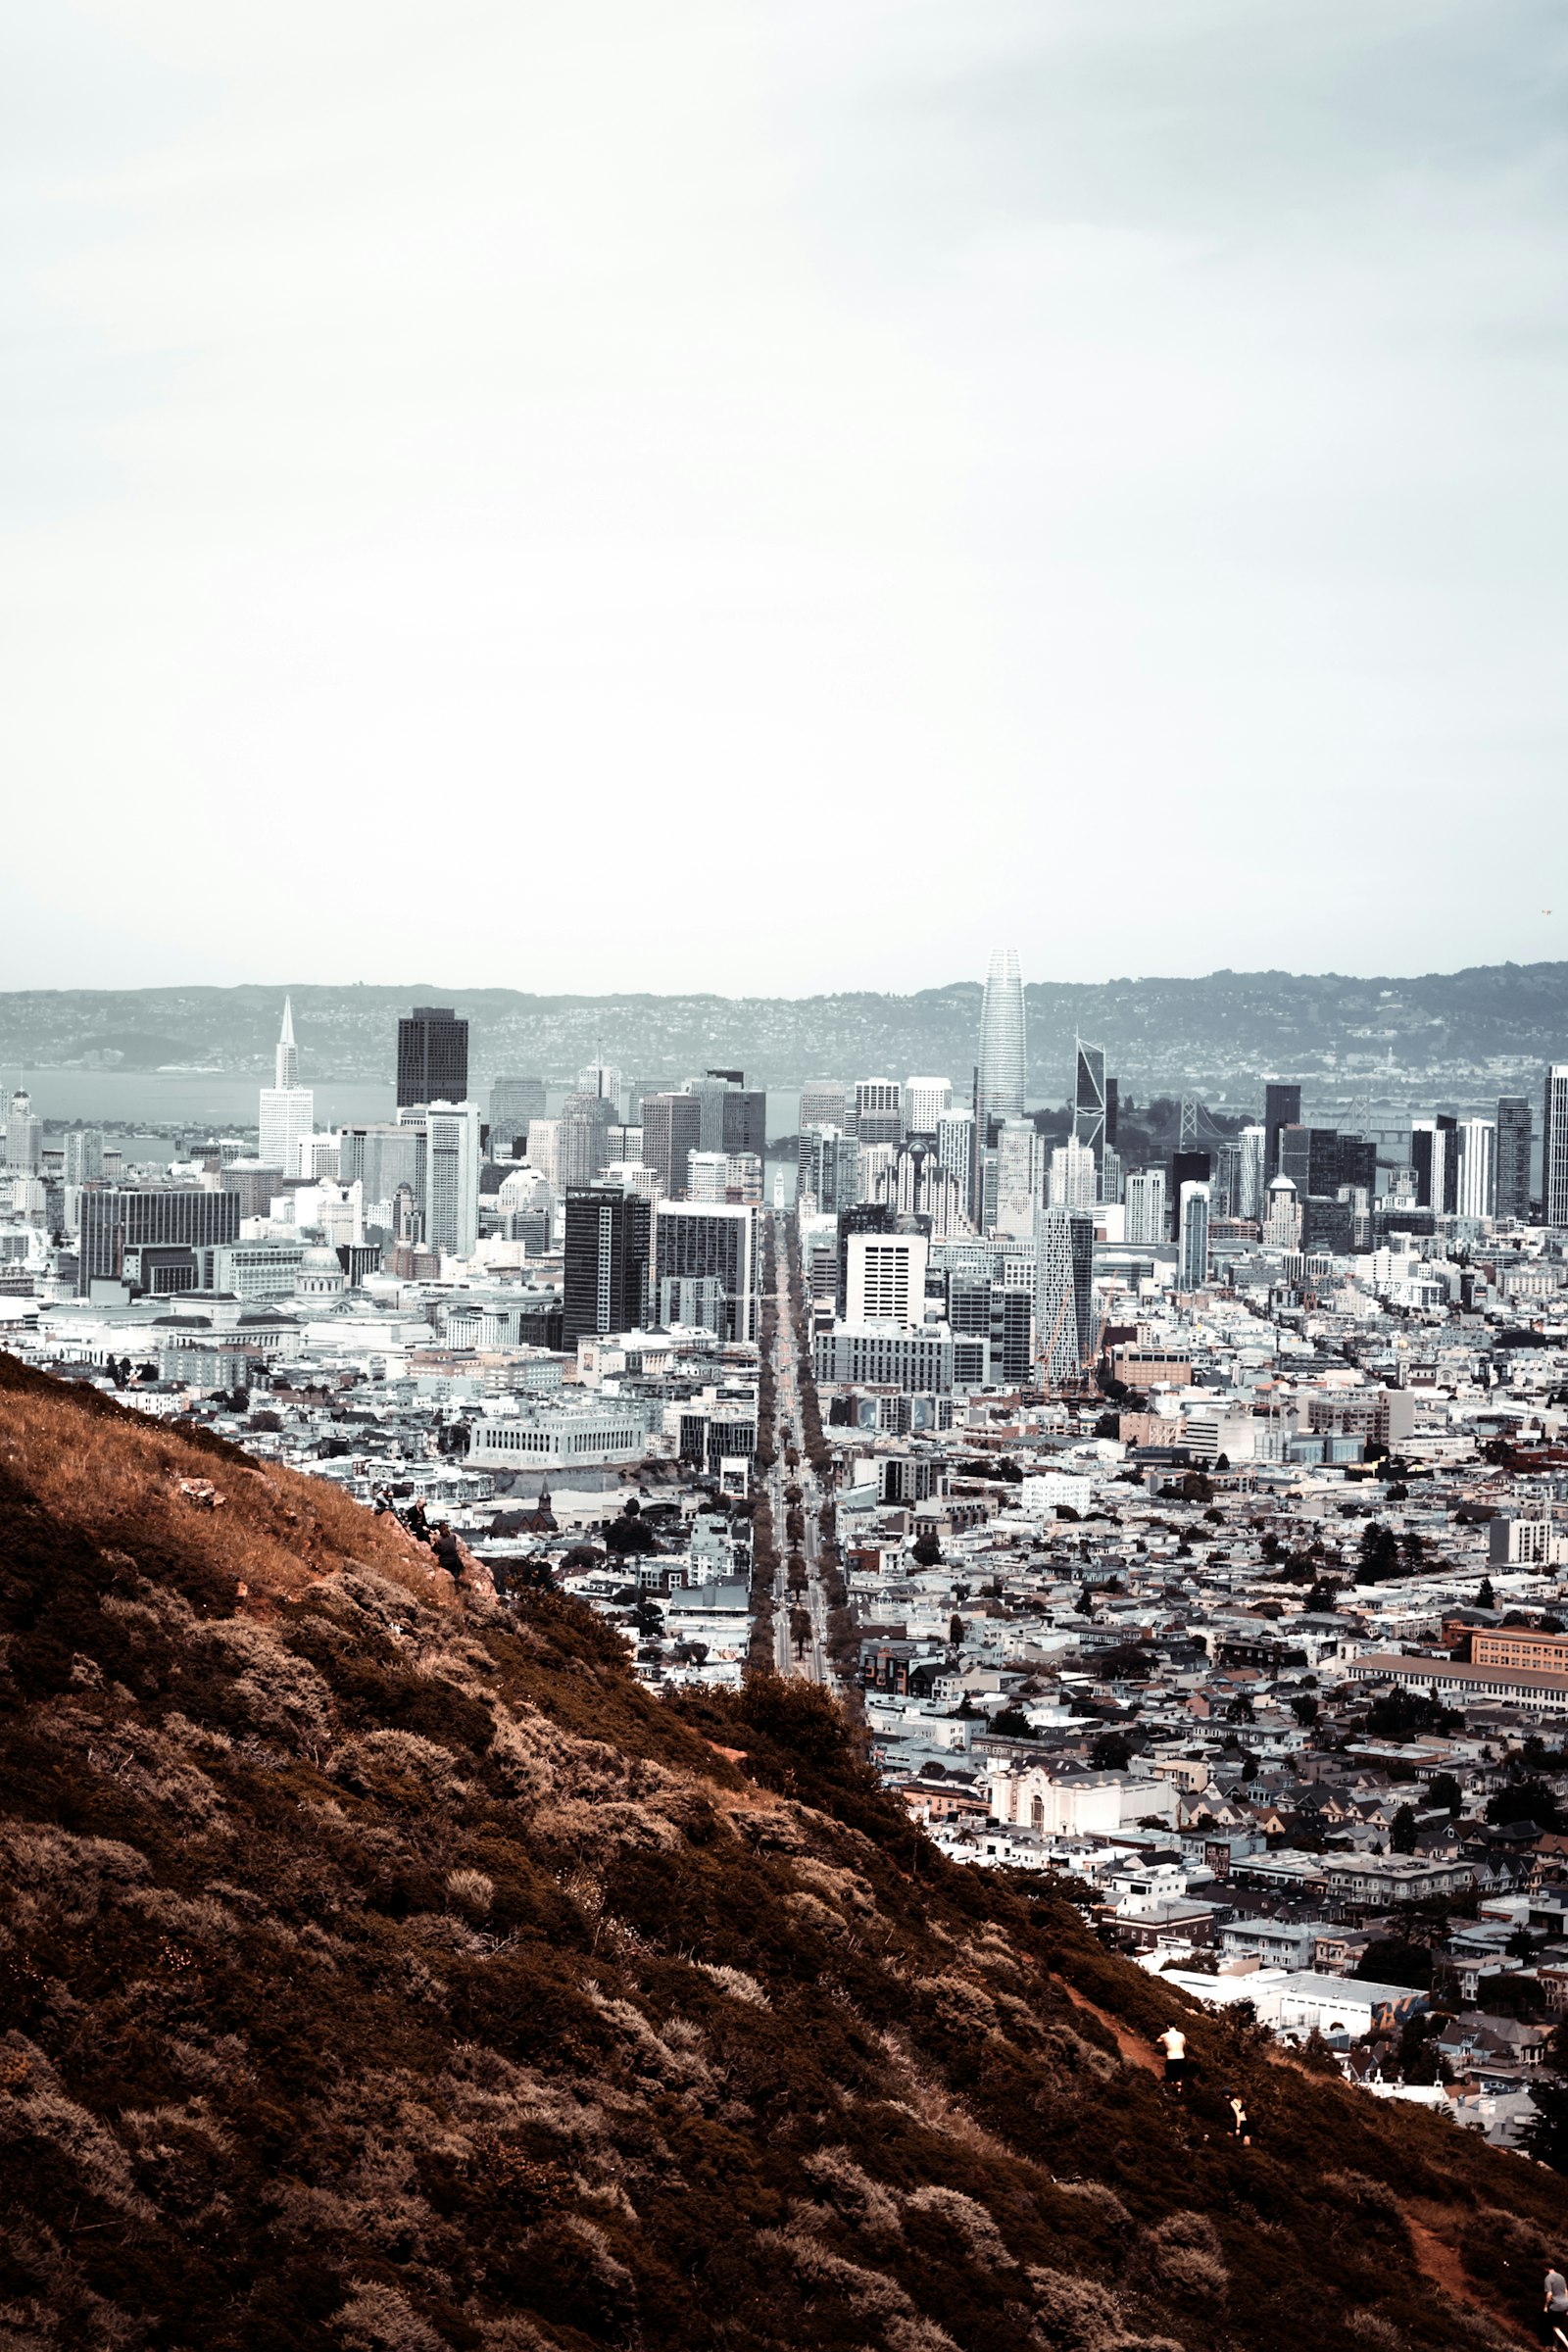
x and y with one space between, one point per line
384 1970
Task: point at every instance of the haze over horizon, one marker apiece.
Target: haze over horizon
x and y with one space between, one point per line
778 486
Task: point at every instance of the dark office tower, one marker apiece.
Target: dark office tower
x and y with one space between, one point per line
1514 1137
1189 1168
514 1103
1113 1087
745 1120
116 1218
1314 1160
970 1304
1012 1334
1328 1226
1357 1166
867 1216
432 1055
1282 1108
608 1244
1435 1158
673 1130
1090 1110
734 1116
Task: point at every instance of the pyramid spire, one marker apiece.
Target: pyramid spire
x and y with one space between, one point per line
287 1059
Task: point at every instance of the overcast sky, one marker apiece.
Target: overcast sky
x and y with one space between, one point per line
775 495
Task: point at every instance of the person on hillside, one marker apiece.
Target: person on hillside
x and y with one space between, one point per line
445 1545
1173 2041
1241 2121
1554 2308
417 1525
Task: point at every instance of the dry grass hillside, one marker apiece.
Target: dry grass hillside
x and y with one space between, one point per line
382 1972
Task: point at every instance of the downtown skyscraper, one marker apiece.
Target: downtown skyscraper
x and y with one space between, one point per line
999 1079
287 1109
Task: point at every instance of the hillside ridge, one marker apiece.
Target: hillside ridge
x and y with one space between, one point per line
1154 1027
383 1970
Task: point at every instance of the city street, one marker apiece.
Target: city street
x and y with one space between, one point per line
808 1658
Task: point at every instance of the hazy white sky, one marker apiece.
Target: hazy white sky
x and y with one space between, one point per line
777 493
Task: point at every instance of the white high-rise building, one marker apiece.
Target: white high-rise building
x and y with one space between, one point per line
452 1178
1251 1198
1020 1157
877 1168
918 1184
287 1108
879 1110
1003 1059
83 1155
317 1156
543 1151
1073 1176
601 1078
1145 1221
885 1279
828 1169
24 1136
955 1146
1554 1148
1282 1227
706 1176
824 1103
924 1102
1477 1194
1192 1240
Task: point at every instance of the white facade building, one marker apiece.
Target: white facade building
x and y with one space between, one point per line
452 1178
1144 1211
925 1100
1018 1174
1073 1176
1476 1193
885 1279
1554 1148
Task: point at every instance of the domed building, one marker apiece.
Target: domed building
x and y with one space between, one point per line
321 1281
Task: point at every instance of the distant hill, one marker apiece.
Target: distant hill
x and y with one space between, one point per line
383 1972
1162 1034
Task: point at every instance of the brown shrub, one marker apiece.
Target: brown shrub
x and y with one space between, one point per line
865 2204
1072 2314
1187 2255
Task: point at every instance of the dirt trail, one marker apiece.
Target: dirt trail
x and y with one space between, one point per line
1440 2261
1135 2050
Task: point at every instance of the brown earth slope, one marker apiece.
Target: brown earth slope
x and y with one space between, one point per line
383 1972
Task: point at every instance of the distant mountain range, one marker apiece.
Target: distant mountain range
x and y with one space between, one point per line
1162 1035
